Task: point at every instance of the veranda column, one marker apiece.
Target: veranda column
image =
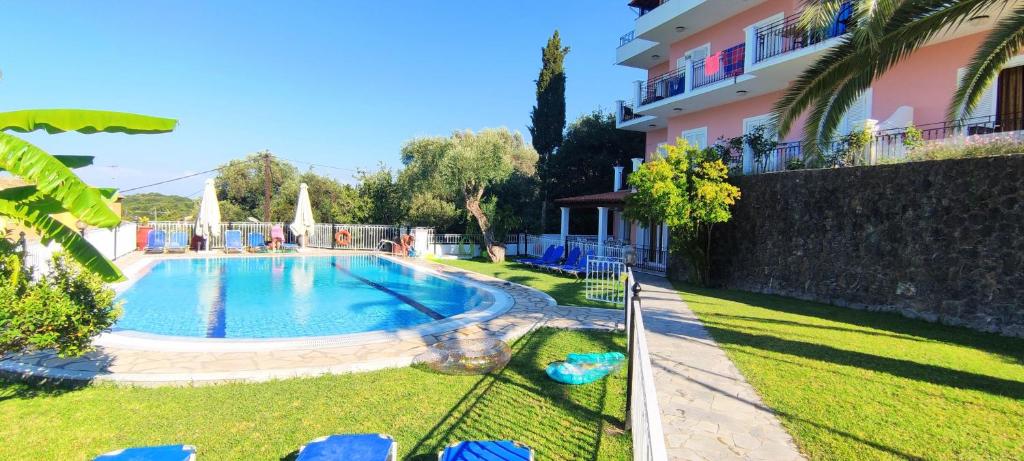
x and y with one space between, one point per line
564 230
602 228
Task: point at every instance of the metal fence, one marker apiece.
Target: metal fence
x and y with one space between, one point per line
786 35
669 84
643 415
652 260
730 64
363 236
605 280
626 38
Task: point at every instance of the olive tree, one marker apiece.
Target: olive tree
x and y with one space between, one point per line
687 190
466 166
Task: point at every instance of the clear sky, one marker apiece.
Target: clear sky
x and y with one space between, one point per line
335 83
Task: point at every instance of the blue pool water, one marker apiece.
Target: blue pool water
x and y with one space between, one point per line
286 297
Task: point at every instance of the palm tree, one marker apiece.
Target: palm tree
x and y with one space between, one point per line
53 188
883 33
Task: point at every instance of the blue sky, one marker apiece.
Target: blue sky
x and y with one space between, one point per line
334 83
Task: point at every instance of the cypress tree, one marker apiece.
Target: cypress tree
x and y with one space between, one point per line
547 119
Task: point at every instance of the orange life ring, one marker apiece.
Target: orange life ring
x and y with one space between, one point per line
343 238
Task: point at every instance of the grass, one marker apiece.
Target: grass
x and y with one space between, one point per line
567 290
424 411
852 384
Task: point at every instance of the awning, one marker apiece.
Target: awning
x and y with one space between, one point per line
609 199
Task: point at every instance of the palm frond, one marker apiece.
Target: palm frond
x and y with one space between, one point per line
1003 43
36 215
56 180
83 121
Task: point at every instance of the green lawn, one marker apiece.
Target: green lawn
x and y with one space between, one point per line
853 384
424 411
567 290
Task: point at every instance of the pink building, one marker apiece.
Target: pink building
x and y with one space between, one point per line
714 68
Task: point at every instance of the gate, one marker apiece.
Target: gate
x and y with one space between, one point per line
605 279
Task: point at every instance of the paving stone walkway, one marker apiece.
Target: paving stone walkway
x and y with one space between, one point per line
531 309
708 410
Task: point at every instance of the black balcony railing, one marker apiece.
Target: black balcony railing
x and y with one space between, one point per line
646 6
628 113
663 86
717 67
886 145
626 38
787 35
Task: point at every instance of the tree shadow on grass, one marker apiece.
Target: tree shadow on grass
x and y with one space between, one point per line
896 367
521 403
890 323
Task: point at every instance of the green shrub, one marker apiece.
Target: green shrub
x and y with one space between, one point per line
62 310
968 147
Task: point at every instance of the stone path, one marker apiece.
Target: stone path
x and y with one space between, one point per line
708 410
531 309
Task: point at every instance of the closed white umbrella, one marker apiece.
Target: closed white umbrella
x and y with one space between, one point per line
303 223
208 220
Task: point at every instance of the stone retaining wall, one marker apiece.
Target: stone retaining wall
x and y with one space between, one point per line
941 240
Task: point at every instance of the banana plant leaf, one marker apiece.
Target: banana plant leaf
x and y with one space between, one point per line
72 161
36 215
83 121
56 180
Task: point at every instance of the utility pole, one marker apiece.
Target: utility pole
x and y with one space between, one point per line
266 186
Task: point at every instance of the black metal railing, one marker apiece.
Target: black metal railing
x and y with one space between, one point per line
644 7
663 86
628 113
626 38
890 144
787 35
729 63
653 260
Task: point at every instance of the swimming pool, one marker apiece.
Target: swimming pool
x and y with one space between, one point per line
290 297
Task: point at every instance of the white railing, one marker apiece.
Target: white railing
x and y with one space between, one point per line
111 243
363 236
536 245
643 416
605 279
471 245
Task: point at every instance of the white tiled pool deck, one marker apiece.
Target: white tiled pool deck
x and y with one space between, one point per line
148 365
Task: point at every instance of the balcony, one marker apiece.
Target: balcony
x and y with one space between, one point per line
663 86
786 35
729 64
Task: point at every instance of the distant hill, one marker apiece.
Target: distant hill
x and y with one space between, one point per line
158 206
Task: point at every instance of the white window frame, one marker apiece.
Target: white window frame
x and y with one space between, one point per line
696 131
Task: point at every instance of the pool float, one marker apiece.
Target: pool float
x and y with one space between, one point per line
585 368
343 238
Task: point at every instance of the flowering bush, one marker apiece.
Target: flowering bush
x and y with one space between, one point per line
968 147
62 310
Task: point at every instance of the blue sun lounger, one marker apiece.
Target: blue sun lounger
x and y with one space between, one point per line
158 453
156 241
257 242
350 447
578 269
549 259
178 242
571 260
546 255
486 450
233 241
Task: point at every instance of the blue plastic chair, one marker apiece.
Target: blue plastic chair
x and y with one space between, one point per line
257 242
156 241
350 447
233 241
547 253
487 450
157 453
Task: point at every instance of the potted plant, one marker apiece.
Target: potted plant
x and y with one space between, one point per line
142 231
